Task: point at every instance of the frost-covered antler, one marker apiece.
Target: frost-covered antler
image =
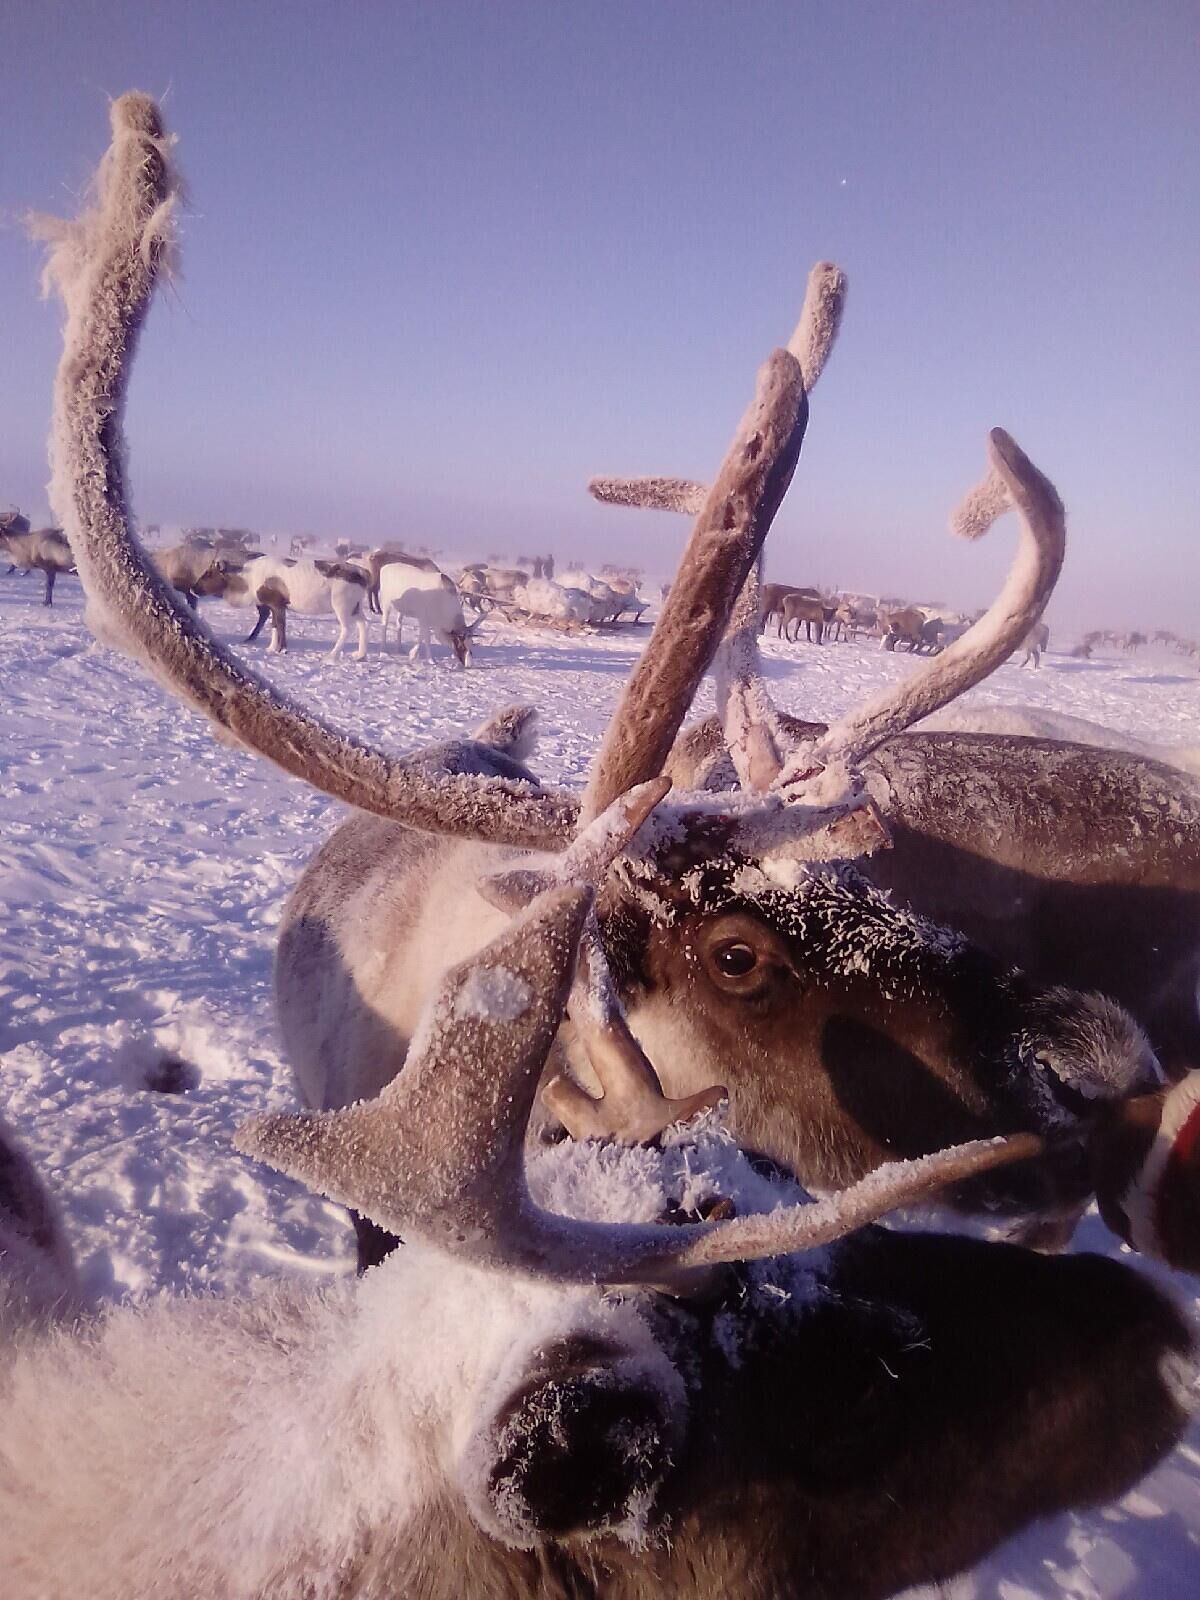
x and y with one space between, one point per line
988 642
105 266
439 1155
753 733
724 544
757 744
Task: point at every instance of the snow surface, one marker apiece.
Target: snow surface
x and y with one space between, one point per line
143 868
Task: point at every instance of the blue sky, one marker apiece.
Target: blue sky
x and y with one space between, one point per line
442 262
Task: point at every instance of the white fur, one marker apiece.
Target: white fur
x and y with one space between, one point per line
431 598
191 1446
308 591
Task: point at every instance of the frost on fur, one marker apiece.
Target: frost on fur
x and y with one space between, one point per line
820 319
981 506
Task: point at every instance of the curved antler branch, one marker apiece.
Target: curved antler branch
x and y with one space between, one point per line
105 266
651 494
988 642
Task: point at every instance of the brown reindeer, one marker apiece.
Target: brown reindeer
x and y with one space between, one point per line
772 597
804 609
853 1028
902 626
44 550
186 565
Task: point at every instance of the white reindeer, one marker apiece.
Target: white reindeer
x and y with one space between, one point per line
426 593
275 586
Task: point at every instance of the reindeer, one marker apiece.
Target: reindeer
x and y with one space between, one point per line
427 594
802 608
850 1028
487 586
903 625
381 557
314 588
184 565
535 1399
40 550
1032 646
773 596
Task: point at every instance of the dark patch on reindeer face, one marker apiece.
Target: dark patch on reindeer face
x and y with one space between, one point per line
577 1447
461 645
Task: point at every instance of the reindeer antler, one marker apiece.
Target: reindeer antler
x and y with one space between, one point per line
728 535
986 643
106 266
756 740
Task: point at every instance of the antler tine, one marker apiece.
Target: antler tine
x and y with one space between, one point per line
589 856
806 1227
820 320
105 265
725 540
651 494
753 735
632 1108
990 641
811 344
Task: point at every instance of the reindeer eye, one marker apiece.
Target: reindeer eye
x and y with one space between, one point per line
735 959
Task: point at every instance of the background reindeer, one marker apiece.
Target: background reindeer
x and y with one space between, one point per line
43 550
427 594
1032 646
314 588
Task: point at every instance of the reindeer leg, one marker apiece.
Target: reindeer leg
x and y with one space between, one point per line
263 613
51 574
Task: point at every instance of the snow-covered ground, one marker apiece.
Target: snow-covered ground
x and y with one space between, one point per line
143 868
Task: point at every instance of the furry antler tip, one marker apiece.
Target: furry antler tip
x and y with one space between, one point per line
820 319
138 113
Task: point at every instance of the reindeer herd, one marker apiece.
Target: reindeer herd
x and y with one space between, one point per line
634 1073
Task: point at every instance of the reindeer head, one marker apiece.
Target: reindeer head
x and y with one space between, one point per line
724 905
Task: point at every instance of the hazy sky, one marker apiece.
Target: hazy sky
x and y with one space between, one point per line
442 262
